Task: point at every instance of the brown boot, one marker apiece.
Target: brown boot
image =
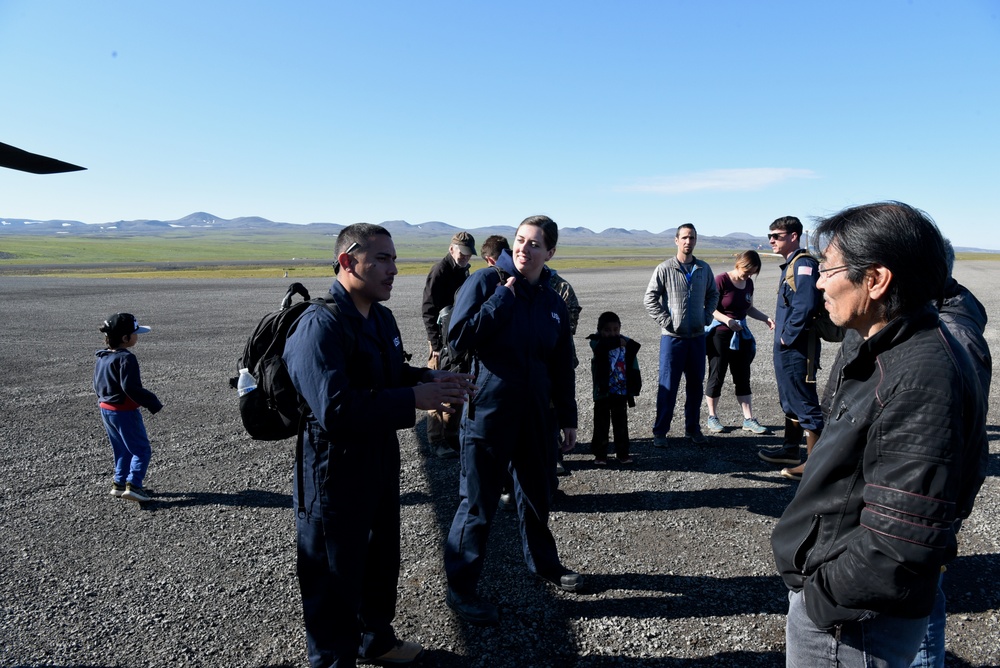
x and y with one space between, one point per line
795 472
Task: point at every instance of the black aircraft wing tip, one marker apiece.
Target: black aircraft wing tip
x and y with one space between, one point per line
15 158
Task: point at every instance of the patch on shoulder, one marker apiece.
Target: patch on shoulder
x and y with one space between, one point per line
803 269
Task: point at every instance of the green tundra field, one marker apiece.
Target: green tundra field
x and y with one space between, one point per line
232 255
226 254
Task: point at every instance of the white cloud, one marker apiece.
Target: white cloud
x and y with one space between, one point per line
720 180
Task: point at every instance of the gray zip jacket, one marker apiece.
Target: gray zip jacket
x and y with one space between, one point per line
683 308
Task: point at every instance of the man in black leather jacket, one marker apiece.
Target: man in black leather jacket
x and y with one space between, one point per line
902 457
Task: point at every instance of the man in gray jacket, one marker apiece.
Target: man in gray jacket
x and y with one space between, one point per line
681 297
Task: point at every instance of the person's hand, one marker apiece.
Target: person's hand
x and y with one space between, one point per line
510 284
734 325
569 438
437 396
770 324
466 379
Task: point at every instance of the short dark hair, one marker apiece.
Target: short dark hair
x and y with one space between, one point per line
899 237
358 233
788 224
607 318
677 234
550 231
493 246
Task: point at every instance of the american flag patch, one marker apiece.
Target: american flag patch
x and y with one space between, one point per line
804 269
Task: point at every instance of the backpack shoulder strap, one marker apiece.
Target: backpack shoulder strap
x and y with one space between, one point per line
352 339
790 269
352 336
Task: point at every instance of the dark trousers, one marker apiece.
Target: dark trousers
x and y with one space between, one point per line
348 556
611 411
529 459
721 359
798 397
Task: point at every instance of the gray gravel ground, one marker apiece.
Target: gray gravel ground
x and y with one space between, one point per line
675 547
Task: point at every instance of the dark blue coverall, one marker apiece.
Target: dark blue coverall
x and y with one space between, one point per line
524 359
794 310
348 529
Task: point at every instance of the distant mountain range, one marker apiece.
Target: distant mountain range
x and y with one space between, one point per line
205 223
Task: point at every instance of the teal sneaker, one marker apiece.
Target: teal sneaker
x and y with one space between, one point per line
754 427
715 425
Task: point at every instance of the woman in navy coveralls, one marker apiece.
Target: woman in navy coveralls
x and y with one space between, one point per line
519 332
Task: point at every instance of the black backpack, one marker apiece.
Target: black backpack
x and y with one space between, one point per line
275 410
820 324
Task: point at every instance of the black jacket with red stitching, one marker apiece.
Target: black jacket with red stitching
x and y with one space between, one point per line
901 459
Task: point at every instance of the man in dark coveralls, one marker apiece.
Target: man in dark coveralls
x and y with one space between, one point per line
359 392
796 348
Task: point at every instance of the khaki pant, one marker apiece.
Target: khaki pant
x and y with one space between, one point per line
440 425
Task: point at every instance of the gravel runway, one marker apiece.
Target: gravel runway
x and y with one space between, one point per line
675 548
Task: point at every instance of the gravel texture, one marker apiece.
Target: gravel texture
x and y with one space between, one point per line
675 548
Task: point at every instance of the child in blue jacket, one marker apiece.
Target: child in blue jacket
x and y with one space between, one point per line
120 394
615 368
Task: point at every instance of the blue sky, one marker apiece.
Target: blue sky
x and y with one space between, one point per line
641 115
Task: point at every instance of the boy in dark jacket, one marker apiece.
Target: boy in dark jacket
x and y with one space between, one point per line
615 369
120 394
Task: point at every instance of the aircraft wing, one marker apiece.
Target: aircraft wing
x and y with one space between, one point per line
15 158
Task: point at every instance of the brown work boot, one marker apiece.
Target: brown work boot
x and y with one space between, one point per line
794 473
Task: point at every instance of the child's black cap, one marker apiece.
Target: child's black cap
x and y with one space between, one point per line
122 324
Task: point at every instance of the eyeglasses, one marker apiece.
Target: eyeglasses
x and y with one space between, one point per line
777 236
826 270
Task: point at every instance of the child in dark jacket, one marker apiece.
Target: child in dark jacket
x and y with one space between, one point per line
615 368
120 394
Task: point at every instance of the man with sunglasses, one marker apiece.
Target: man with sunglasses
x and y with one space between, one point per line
795 357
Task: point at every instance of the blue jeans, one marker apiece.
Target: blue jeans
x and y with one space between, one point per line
130 444
680 356
880 642
931 654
